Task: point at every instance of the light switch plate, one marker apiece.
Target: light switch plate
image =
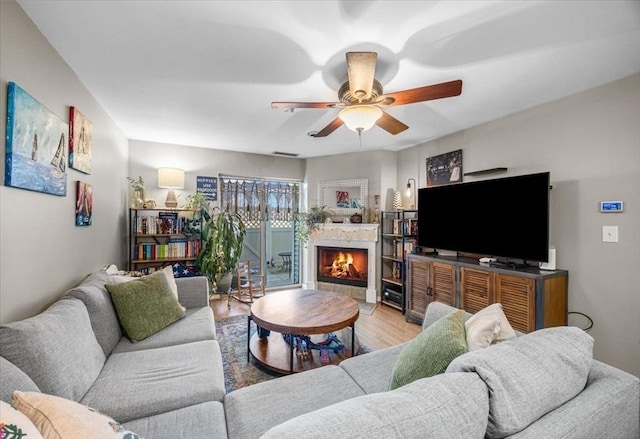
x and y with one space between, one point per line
609 233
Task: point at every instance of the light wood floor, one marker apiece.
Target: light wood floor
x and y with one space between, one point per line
385 327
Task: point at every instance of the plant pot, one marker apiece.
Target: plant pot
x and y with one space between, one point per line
223 283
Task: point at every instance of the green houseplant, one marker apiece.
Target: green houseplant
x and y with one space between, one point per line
309 221
223 234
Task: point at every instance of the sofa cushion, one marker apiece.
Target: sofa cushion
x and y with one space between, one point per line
12 378
431 351
102 314
196 325
56 349
530 375
14 424
60 418
252 410
488 326
137 384
145 306
443 406
198 421
372 371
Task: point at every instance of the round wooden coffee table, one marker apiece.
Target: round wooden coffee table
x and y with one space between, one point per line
298 312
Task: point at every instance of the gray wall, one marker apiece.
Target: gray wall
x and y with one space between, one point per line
146 157
42 252
590 142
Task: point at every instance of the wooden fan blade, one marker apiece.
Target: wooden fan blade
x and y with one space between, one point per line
361 69
303 104
391 124
334 125
426 93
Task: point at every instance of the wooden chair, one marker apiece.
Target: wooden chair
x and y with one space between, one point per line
249 286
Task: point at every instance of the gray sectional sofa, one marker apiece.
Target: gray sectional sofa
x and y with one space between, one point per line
543 384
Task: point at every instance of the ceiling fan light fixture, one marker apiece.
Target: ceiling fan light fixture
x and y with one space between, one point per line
360 117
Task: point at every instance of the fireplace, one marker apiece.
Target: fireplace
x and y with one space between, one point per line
342 265
348 237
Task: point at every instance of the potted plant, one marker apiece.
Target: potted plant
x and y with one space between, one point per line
138 191
309 221
223 234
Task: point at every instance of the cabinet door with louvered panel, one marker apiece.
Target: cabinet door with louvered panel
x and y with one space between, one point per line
476 289
517 296
443 283
417 299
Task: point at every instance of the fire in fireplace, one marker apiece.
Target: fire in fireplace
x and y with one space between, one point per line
342 265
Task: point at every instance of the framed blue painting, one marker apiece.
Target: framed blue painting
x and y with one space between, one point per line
36 149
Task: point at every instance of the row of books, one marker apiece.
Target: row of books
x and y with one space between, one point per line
404 247
396 271
174 249
408 226
165 223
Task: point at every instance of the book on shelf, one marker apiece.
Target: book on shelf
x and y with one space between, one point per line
168 222
397 226
410 226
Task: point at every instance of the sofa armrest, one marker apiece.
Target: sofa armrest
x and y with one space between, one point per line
607 407
193 292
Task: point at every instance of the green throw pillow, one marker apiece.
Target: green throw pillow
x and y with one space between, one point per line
431 351
145 306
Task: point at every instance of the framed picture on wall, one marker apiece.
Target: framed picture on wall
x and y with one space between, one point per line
444 168
84 203
36 149
80 139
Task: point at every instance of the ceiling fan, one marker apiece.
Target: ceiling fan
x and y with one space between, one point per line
362 101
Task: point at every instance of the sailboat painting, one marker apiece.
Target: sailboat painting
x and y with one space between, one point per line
36 149
80 138
84 203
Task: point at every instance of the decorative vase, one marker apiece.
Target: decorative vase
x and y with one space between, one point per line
397 200
356 218
138 199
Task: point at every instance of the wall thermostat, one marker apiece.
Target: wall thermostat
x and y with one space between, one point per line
611 206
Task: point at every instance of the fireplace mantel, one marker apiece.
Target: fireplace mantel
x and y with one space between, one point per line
348 236
346 232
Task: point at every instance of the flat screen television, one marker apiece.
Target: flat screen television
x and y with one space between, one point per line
506 218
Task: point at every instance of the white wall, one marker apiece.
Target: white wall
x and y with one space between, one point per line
42 252
590 142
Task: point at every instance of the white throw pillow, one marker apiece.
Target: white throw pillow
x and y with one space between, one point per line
168 272
15 424
488 326
60 418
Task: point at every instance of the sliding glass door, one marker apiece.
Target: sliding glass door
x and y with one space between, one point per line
268 208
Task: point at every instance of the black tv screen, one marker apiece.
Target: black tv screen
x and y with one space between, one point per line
506 218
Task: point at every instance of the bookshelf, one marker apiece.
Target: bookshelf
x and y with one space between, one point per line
398 232
160 237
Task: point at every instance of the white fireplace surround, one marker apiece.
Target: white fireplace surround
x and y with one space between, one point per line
361 236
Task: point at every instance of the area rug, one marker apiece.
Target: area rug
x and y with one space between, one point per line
238 372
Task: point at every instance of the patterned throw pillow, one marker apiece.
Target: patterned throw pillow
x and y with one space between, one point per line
431 351
145 305
14 424
181 270
60 418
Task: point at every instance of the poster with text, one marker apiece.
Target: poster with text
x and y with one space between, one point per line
207 186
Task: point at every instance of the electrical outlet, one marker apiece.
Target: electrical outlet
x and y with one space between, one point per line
609 233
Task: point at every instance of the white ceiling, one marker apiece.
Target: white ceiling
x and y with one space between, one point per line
203 73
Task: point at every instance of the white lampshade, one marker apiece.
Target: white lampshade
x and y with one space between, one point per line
171 178
360 117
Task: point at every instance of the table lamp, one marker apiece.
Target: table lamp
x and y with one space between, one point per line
171 178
